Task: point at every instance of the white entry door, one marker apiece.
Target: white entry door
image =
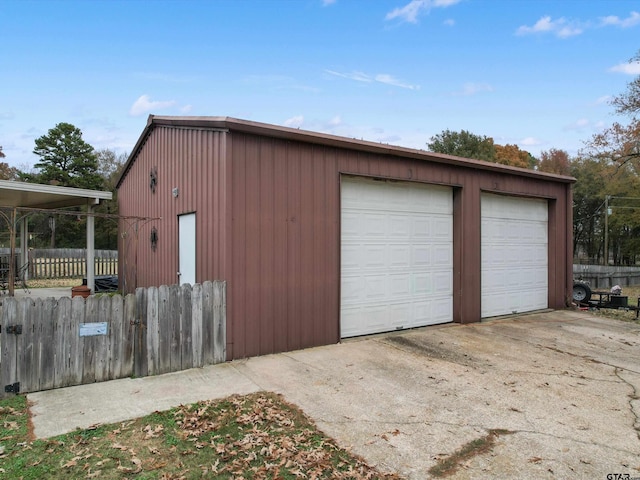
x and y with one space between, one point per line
187 248
397 256
514 251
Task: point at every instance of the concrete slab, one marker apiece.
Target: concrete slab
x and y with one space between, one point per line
565 385
41 293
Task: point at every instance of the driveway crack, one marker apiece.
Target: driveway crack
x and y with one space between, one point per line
632 398
392 423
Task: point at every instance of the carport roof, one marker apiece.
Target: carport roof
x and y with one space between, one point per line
35 195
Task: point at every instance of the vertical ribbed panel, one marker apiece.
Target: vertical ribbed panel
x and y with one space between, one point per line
186 160
268 222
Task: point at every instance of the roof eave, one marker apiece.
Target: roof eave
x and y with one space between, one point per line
234 124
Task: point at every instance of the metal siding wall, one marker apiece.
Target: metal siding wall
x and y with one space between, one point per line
268 215
188 160
285 247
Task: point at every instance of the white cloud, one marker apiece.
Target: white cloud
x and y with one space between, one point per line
294 122
579 124
474 88
335 121
449 22
560 27
631 21
380 78
569 31
409 13
632 68
391 80
529 142
144 104
326 3
603 99
186 109
357 76
563 28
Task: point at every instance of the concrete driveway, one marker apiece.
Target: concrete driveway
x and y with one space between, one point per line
562 388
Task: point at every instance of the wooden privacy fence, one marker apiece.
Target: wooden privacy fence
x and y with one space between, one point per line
606 276
69 262
49 343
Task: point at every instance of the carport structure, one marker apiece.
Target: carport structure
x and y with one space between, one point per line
18 199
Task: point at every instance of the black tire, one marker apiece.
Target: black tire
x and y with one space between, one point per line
581 292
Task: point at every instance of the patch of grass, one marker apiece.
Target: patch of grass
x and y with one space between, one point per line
258 436
54 282
449 465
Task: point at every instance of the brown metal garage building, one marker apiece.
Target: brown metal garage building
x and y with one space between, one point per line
321 237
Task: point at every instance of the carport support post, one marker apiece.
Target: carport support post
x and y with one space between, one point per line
91 263
24 246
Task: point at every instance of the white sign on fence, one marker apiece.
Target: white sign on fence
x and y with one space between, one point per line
92 329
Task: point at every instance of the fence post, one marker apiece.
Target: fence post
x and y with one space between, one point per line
220 322
140 354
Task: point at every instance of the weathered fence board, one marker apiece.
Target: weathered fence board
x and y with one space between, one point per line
219 350
45 320
153 331
196 325
142 334
157 330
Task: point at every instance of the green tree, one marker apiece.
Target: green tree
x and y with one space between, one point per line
463 144
110 165
588 207
555 161
628 103
620 143
7 172
617 150
512 155
66 159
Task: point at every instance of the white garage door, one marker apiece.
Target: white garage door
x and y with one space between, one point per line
396 256
514 255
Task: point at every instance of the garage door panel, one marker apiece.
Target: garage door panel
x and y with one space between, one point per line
375 287
422 228
399 256
442 256
399 260
352 290
423 283
401 285
514 250
398 226
420 255
374 224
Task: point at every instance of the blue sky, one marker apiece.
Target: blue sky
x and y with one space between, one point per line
535 73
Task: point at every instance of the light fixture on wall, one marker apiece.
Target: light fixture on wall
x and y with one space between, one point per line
175 192
153 179
154 238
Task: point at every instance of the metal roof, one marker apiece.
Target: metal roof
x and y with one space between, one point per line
35 195
295 134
